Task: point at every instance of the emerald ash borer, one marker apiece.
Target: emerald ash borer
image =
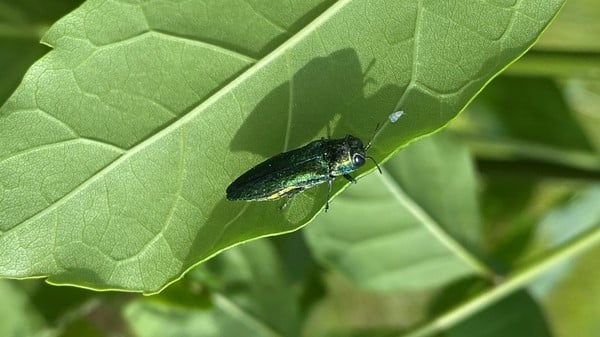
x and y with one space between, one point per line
289 173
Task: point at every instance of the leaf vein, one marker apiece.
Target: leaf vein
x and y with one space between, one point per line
267 19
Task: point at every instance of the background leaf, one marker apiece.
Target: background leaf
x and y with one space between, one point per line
249 296
516 315
529 110
566 291
416 221
19 315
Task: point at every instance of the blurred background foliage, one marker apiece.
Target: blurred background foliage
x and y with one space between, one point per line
533 137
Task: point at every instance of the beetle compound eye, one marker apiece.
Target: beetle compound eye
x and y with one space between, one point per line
358 160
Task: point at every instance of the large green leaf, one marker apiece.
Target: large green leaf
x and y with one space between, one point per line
416 221
118 146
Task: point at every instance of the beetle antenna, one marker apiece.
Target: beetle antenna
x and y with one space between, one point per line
378 168
371 141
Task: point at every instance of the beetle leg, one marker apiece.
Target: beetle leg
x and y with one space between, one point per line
290 195
350 178
328 193
285 203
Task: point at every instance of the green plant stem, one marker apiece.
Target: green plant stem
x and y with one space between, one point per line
517 281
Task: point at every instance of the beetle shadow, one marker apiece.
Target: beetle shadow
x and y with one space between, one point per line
326 91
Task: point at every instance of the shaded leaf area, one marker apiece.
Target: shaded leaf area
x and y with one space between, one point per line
122 140
527 125
348 310
19 315
249 295
306 275
33 308
511 206
375 332
22 24
388 220
528 109
516 315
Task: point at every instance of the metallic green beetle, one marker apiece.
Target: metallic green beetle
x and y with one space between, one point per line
289 173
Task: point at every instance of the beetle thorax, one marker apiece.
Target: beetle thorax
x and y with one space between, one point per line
346 156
